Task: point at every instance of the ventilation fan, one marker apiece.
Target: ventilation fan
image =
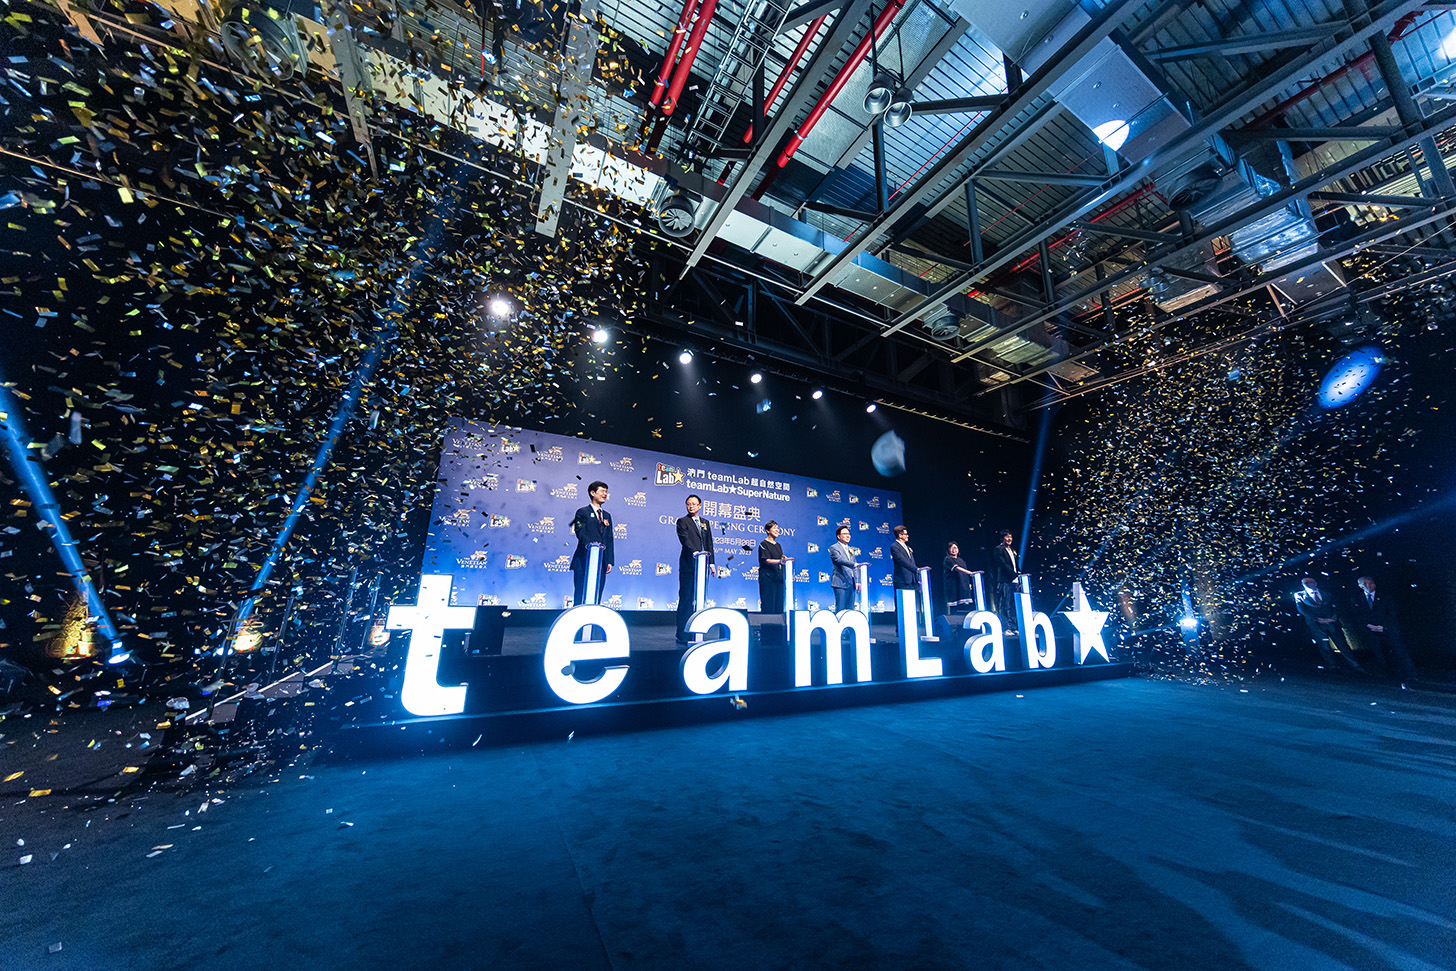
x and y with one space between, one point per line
264 38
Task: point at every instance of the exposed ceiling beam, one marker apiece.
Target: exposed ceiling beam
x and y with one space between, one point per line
808 11
1341 133
1127 232
1299 37
1362 199
1040 178
1022 99
846 23
950 106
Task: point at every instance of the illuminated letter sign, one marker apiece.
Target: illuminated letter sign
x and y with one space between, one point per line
695 661
563 651
427 620
1088 622
806 623
986 652
1037 636
915 665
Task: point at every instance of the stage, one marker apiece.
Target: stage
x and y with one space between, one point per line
1121 824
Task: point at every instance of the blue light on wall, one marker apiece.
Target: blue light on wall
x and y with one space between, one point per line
1350 376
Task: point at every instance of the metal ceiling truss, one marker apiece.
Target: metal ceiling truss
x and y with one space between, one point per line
735 312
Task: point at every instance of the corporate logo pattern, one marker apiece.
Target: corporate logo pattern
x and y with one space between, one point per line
506 499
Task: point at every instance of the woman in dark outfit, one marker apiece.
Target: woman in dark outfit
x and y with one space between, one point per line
955 577
771 571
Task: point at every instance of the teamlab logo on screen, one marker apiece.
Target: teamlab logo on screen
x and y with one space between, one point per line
810 492
498 521
822 520
637 501
864 526
664 569
890 504
487 600
525 485
514 562
823 577
509 447
567 491
853 499
586 458
812 548
623 464
667 475
645 603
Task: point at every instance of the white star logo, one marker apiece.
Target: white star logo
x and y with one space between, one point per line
1089 626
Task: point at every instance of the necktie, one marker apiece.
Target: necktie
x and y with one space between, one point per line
1371 598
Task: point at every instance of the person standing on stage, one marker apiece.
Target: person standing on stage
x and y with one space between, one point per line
592 524
1372 620
771 571
696 535
842 580
1322 618
955 576
1004 571
904 559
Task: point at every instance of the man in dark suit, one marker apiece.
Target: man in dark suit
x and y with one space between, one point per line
1371 619
696 535
906 573
842 580
1004 571
1322 618
592 524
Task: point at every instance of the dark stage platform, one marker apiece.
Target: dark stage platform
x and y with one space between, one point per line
1118 824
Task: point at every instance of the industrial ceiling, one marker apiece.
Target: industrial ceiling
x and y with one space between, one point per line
1053 178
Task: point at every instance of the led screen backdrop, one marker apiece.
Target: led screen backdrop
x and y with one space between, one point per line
501 522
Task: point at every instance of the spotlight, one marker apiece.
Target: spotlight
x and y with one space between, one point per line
1112 133
818 393
1188 622
755 377
500 307
601 335
900 108
686 357
869 408
881 90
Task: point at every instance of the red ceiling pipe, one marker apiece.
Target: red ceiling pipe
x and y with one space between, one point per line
690 51
882 22
683 21
794 59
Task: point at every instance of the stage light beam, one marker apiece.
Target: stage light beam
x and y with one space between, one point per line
686 357
756 377
818 393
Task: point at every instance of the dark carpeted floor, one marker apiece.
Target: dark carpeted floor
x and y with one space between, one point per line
1121 824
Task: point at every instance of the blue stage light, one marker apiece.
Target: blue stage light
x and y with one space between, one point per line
1350 376
1188 622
